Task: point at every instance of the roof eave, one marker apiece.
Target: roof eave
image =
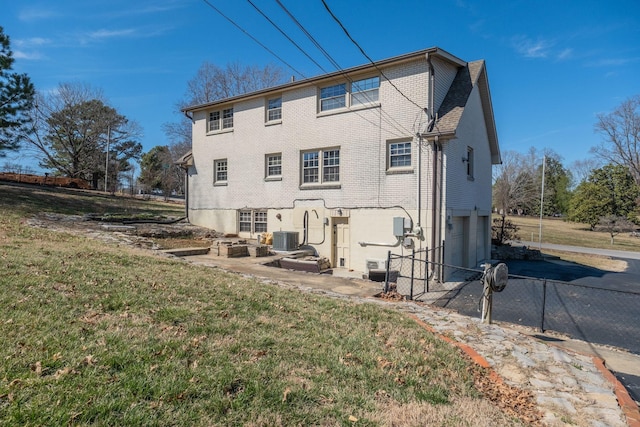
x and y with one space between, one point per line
436 51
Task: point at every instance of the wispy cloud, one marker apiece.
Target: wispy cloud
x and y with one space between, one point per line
28 48
32 56
31 42
540 48
565 54
36 14
529 48
108 34
612 62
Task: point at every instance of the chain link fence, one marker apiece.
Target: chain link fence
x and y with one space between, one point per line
596 314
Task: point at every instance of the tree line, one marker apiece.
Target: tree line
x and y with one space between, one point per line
603 192
73 131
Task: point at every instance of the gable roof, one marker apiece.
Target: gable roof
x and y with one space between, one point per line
452 107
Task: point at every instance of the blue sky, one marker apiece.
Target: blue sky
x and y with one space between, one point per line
552 65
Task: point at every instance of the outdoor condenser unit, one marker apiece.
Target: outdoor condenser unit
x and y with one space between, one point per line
285 240
376 264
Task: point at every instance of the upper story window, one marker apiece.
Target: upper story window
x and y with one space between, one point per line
227 118
273 165
357 93
321 166
220 120
333 97
469 163
365 90
220 169
274 109
214 121
399 154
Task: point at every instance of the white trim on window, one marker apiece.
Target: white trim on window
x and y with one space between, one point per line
361 93
220 121
365 91
220 172
320 168
252 221
273 166
274 110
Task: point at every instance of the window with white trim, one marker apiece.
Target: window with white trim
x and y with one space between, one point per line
273 165
214 121
252 221
321 166
220 169
259 221
227 118
399 154
360 93
365 90
220 120
332 97
274 109
244 219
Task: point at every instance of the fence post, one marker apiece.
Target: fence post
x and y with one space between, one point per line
487 295
544 301
413 264
426 270
386 276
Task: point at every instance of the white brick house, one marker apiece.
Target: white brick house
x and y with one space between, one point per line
337 157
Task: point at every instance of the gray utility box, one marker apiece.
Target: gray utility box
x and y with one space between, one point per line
285 240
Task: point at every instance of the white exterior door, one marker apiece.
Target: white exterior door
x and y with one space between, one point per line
340 243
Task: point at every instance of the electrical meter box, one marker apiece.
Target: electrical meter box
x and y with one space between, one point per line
400 225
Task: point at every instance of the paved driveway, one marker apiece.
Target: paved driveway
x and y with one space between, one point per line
594 306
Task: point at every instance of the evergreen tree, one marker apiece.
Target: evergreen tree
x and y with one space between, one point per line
609 191
16 98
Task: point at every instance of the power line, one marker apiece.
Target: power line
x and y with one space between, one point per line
286 35
317 44
336 65
335 18
253 38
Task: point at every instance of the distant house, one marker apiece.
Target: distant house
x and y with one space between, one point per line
354 163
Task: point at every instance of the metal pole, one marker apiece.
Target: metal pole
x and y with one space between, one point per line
106 166
544 302
413 264
487 296
386 276
544 162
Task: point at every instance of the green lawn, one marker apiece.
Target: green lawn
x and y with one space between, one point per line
96 334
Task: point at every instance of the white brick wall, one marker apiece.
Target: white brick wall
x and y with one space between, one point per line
368 195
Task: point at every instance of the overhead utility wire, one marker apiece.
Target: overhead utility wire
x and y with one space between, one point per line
335 63
335 18
287 36
253 38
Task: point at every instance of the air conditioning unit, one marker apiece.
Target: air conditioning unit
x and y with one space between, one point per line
376 264
285 240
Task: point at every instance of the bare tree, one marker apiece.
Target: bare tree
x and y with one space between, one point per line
212 83
615 225
514 185
582 169
621 132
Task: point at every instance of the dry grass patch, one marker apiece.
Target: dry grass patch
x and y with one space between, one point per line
558 231
601 262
